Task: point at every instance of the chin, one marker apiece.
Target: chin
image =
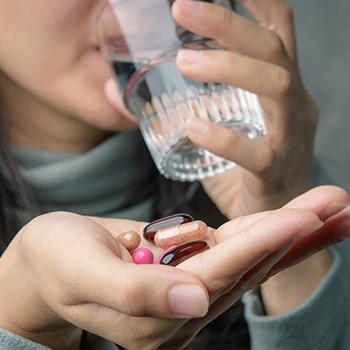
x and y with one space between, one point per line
97 110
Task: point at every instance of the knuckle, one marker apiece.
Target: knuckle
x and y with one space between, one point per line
218 283
34 235
224 20
134 299
265 159
232 141
238 224
223 63
233 59
275 46
287 14
222 139
314 112
222 283
66 277
283 83
55 270
27 236
259 249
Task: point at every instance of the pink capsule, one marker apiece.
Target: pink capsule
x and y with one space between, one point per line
143 256
191 231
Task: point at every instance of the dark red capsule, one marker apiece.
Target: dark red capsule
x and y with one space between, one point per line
183 252
177 219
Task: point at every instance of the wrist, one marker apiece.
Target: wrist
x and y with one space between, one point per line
290 288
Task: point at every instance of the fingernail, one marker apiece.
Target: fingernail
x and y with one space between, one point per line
189 56
340 205
197 125
308 230
188 301
332 209
189 7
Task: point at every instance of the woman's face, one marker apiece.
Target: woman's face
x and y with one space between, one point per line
48 49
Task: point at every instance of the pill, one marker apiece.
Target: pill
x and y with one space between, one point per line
130 240
143 256
177 219
190 231
183 252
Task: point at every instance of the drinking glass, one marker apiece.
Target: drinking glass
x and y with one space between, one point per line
141 40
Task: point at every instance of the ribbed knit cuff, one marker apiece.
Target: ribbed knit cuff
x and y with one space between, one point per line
314 325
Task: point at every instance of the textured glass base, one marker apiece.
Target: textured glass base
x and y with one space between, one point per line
187 162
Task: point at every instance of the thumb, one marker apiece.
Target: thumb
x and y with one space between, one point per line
139 290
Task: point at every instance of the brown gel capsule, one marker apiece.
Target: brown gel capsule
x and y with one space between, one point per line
130 240
190 231
183 252
178 219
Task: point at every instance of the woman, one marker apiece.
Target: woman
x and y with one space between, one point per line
60 126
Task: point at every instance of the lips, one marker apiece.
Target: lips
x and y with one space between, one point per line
117 45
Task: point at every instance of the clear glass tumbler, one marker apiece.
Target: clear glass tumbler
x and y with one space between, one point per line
140 39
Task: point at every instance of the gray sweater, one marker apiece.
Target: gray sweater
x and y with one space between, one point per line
321 323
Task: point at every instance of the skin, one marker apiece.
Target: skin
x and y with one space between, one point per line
52 86
277 168
46 106
73 256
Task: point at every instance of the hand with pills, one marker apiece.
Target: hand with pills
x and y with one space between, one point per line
96 273
179 234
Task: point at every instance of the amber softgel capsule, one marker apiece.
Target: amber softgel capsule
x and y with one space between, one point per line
174 220
182 252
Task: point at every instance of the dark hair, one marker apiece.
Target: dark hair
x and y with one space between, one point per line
8 227
6 222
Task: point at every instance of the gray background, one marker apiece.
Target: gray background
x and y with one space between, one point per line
323 35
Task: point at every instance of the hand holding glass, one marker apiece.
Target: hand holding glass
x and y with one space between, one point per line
141 40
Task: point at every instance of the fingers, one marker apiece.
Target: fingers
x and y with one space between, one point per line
253 155
335 230
230 30
247 73
277 16
226 263
331 203
236 226
325 201
136 290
